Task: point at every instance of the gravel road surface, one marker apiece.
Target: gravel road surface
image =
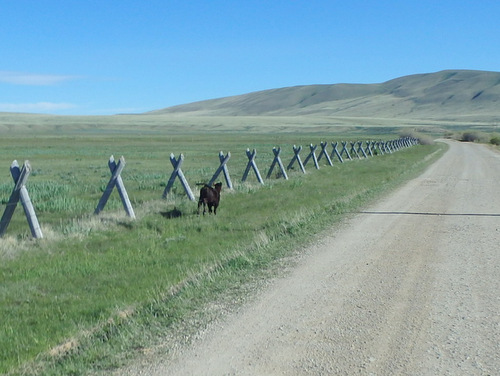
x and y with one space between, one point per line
409 286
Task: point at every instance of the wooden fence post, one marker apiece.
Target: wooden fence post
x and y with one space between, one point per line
116 180
296 157
20 192
369 145
336 152
222 168
120 187
344 150
178 173
368 150
353 149
323 152
253 165
360 148
312 155
277 160
387 147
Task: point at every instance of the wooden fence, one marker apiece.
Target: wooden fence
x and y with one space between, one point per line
359 150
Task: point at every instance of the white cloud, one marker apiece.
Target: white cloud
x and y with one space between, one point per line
40 107
21 78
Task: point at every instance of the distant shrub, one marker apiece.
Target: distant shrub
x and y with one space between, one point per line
423 139
473 136
495 140
426 140
469 137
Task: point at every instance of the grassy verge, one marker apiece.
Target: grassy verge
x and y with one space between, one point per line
114 292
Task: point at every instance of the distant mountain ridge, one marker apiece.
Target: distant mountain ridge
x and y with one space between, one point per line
448 94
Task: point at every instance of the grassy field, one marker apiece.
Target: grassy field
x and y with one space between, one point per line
146 124
103 286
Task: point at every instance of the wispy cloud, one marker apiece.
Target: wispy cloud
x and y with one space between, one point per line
40 107
22 78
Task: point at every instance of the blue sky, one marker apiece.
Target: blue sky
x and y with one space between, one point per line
99 57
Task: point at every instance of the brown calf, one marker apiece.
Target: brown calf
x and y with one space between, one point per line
209 197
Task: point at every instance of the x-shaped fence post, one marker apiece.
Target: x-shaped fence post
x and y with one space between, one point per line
296 157
387 147
360 148
336 152
312 154
344 150
253 165
353 149
368 148
277 160
20 177
116 180
222 168
323 152
178 172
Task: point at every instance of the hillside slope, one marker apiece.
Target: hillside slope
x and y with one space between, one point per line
450 94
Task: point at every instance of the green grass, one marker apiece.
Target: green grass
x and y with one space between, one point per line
89 269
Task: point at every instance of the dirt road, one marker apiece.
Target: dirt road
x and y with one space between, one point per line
409 286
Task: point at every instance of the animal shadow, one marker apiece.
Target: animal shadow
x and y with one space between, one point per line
174 213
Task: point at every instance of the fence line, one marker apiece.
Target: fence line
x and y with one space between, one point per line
371 148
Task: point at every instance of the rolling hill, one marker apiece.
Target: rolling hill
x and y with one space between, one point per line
454 95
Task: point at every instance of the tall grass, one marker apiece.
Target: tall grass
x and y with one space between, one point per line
89 269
